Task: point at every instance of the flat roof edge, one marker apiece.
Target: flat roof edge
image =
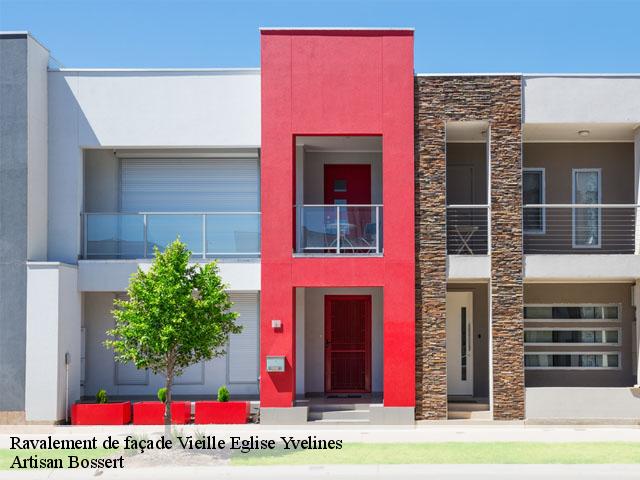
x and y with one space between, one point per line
340 29
21 33
159 70
531 75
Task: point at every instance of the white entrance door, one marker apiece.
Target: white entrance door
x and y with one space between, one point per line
459 343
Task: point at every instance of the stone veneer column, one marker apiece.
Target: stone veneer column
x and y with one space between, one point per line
496 99
507 303
431 255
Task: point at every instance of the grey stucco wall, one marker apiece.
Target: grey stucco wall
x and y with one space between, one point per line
13 219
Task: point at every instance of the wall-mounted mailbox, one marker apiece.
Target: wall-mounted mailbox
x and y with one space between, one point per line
275 364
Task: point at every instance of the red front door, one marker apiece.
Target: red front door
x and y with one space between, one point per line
350 184
347 358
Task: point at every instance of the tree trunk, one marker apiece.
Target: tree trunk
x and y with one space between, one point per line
167 405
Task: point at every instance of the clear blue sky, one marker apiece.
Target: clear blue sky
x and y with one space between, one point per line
451 36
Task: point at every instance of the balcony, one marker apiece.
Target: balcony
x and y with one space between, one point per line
580 228
339 230
134 235
467 229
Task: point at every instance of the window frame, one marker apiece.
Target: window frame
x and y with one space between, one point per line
573 352
543 197
574 344
574 171
575 320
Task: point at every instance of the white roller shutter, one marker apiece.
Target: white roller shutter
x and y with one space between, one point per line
243 356
189 185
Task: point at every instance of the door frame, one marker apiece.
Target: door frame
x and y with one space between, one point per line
327 338
469 342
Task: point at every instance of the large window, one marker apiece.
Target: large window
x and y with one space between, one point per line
571 336
533 194
586 221
572 360
572 312
594 328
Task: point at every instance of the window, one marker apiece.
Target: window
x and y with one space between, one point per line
571 312
586 221
339 185
533 194
571 360
568 336
583 331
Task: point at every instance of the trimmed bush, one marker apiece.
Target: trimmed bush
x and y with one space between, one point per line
223 394
162 394
101 396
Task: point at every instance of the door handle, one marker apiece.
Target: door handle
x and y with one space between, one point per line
327 343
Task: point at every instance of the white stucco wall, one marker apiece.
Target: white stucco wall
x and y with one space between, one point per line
113 275
53 329
93 109
314 335
37 59
581 99
586 268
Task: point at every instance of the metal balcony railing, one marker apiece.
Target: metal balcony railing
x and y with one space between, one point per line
339 229
467 228
206 234
580 228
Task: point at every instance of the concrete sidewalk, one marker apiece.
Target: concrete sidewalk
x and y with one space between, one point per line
348 472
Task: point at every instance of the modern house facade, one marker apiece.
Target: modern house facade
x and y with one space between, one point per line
400 247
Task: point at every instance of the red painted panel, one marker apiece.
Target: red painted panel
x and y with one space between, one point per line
337 83
347 364
336 86
210 412
114 413
152 413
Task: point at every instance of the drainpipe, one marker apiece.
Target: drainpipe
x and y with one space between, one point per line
67 361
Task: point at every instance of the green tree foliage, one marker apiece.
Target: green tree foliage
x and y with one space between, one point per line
176 315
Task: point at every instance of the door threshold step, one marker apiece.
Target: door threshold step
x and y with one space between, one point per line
339 415
354 407
469 415
339 422
468 407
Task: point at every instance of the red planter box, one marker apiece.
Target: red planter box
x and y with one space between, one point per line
152 413
222 412
117 413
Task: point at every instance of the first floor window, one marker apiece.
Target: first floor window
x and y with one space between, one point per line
586 221
533 194
571 360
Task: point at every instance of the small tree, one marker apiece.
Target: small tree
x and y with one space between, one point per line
176 315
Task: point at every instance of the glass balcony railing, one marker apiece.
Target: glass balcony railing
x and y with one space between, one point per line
206 234
339 229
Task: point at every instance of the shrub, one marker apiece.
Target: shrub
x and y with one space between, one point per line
223 394
162 394
101 396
